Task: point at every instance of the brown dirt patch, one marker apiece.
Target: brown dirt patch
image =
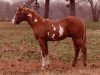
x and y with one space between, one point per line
22 67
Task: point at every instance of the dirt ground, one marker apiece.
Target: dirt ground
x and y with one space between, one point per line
22 67
20 53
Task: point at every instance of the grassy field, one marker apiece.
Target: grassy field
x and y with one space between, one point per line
20 53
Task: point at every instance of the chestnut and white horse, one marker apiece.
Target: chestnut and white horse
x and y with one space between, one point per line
48 30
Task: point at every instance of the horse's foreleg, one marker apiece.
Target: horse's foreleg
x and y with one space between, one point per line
45 57
82 46
77 49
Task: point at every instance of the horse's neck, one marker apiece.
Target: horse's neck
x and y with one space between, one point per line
36 18
39 17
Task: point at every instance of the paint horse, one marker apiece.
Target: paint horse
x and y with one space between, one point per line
48 30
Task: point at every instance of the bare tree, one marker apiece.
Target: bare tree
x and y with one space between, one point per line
71 6
95 6
7 10
33 4
46 12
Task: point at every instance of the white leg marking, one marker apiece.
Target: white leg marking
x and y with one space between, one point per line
47 60
61 31
43 62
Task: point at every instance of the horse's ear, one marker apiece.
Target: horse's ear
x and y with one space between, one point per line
19 8
23 6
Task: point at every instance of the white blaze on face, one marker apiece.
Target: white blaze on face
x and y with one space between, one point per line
30 15
13 20
61 31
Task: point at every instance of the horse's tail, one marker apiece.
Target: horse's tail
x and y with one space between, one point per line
84 35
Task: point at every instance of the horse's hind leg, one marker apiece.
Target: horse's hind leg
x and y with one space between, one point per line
82 46
77 49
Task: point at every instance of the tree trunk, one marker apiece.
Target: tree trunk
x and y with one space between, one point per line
46 12
72 7
95 10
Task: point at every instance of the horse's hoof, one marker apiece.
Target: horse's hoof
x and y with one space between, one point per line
45 68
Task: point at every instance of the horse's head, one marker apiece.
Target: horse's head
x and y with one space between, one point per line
19 16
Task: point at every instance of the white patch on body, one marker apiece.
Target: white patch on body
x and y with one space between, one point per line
30 15
13 20
48 33
53 36
45 62
35 20
61 31
54 28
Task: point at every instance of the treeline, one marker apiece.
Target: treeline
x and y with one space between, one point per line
57 9
7 10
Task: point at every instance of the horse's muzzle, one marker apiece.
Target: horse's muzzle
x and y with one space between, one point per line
14 22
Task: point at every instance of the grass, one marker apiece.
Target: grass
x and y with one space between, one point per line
16 37
93 25
18 42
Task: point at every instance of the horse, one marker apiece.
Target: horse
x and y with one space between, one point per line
54 30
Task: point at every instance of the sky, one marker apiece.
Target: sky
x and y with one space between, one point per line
11 1
8 0
23 0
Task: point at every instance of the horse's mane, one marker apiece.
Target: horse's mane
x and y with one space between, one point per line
33 12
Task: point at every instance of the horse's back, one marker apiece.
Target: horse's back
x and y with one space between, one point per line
75 20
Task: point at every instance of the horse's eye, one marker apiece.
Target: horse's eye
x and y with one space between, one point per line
17 14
